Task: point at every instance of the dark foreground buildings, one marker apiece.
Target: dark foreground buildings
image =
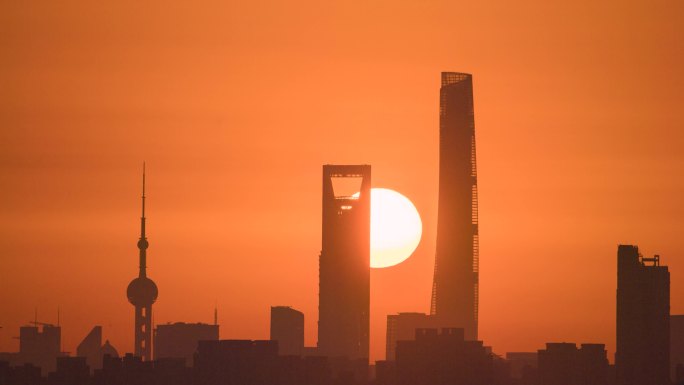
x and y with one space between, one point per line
441 358
402 327
180 339
287 327
344 266
565 364
642 356
245 362
455 285
227 362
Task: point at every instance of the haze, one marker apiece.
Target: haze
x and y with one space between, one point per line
236 105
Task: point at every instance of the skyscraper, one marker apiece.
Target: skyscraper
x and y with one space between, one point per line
287 327
40 348
455 286
643 319
142 292
344 265
180 339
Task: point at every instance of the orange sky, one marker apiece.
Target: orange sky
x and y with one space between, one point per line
236 105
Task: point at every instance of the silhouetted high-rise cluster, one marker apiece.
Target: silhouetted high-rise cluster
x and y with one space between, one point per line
440 348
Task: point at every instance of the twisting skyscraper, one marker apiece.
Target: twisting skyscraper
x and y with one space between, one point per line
344 266
455 285
142 292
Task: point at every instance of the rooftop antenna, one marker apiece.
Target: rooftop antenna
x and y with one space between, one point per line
142 243
57 316
35 322
215 313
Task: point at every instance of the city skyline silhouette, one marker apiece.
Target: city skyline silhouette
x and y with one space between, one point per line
574 157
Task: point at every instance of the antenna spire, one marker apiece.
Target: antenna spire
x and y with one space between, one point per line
143 199
142 243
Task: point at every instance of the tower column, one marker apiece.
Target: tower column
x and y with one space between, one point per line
142 293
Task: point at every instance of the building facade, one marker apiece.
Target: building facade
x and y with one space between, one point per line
287 327
455 285
677 348
180 339
40 347
643 319
564 364
440 358
402 327
344 266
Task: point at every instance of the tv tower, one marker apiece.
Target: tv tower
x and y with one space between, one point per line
142 292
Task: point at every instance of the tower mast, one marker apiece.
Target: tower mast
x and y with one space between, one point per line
142 293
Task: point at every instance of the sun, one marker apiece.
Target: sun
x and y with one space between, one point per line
396 228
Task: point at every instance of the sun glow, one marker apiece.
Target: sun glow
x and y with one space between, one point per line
396 228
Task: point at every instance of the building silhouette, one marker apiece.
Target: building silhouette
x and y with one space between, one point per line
180 340
92 349
40 347
26 374
246 362
344 266
455 285
522 364
402 327
131 370
677 348
70 371
643 319
565 364
142 292
435 358
287 327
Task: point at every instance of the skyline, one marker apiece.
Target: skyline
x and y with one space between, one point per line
583 152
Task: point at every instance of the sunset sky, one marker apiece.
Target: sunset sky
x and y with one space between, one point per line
236 105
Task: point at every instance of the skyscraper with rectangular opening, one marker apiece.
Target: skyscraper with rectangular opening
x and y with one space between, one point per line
344 264
455 285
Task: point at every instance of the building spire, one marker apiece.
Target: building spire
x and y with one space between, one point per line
142 243
142 218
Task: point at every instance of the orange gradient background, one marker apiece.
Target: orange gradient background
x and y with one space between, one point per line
236 105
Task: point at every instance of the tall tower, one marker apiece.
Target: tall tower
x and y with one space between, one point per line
642 354
455 285
344 266
142 292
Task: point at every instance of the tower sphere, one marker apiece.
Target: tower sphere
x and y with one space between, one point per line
143 244
142 291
